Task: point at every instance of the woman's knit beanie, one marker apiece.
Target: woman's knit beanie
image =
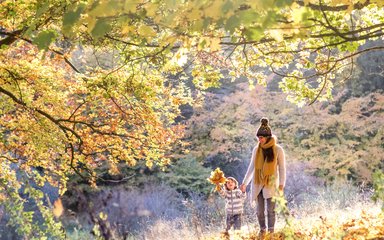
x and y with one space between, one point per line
264 129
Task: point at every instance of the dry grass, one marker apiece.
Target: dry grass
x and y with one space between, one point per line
318 219
361 223
175 229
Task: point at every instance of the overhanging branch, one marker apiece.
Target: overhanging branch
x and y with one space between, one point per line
320 7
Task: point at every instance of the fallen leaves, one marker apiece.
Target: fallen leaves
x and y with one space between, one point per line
366 226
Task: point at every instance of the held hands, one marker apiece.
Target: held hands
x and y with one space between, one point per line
243 187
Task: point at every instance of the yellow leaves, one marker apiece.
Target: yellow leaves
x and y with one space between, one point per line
297 13
127 116
116 109
363 226
90 22
211 44
2 197
194 14
98 19
103 216
367 226
127 29
349 3
379 3
207 78
168 39
214 44
131 5
180 58
214 9
217 178
261 4
341 2
146 31
13 14
58 208
113 169
276 34
105 9
152 9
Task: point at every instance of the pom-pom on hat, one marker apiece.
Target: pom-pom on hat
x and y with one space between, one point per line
264 129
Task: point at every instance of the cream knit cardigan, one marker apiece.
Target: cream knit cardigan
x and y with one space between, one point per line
268 191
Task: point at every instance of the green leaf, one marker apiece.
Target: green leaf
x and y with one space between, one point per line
71 17
197 25
228 5
44 39
206 23
269 19
41 9
248 17
283 3
232 23
101 27
255 33
353 46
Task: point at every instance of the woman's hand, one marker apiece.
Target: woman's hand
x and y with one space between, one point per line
281 187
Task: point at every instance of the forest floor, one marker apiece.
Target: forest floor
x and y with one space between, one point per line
349 224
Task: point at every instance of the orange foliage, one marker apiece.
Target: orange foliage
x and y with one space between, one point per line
66 122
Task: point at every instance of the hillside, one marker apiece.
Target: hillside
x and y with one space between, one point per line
347 144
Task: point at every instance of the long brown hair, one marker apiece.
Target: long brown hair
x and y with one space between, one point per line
268 153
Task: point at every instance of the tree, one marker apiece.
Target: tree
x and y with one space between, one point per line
64 113
188 176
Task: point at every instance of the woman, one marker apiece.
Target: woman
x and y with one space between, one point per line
267 172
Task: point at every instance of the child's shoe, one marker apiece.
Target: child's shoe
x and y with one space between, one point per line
225 234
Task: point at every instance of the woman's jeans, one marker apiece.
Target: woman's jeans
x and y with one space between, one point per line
234 220
271 214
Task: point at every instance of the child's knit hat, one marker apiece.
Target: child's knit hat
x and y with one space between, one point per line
234 180
264 129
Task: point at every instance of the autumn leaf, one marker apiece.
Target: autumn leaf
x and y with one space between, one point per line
217 178
58 208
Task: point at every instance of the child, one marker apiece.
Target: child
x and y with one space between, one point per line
234 199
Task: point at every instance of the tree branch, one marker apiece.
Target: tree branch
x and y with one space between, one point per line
320 7
325 79
43 113
11 37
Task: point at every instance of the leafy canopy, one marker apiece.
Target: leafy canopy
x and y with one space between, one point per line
88 82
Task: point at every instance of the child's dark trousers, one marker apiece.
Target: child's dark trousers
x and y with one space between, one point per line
233 220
